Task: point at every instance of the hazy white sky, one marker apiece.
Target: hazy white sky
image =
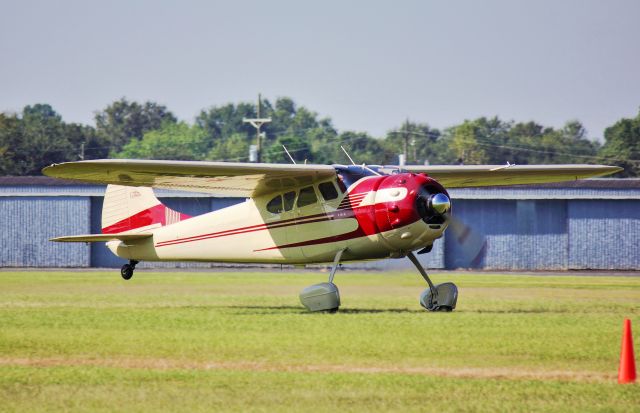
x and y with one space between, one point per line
368 65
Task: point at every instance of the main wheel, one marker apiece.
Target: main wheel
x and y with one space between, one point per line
126 271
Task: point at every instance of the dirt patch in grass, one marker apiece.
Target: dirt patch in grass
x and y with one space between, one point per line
498 373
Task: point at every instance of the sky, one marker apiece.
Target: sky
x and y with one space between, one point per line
368 65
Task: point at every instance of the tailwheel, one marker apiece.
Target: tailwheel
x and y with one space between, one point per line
127 270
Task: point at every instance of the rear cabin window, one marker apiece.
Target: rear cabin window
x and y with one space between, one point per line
289 199
307 197
275 205
328 191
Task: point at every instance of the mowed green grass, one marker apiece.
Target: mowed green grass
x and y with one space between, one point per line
89 341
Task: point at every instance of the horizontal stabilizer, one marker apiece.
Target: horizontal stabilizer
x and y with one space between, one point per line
101 237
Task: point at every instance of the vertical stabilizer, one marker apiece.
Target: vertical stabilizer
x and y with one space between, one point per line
129 208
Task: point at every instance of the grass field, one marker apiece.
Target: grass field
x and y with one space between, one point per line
89 341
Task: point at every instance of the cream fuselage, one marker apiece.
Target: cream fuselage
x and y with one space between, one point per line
362 222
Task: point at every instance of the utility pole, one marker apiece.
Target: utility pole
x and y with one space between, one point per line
414 149
257 123
405 137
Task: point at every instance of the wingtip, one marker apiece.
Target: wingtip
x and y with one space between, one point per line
611 169
49 170
46 170
56 170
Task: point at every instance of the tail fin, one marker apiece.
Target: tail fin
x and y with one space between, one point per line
127 208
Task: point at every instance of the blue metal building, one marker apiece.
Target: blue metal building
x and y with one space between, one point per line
591 224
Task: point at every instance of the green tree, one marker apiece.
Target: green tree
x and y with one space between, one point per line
297 146
39 137
220 122
364 149
467 143
574 146
622 146
292 125
533 143
325 145
493 141
87 143
528 143
175 141
424 144
235 148
305 135
122 121
39 141
10 133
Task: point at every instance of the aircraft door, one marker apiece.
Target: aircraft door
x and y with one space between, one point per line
318 228
280 220
289 217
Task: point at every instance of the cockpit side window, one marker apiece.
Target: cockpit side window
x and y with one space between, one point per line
328 191
275 205
289 199
307 197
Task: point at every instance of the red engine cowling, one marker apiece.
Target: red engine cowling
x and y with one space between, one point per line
411 210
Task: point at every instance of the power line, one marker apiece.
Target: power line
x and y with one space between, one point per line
518 148
337 138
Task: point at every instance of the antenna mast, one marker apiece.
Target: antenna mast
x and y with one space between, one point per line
257 123
289 155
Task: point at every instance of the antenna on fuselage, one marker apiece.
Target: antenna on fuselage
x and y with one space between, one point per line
364 166
288 154
347 153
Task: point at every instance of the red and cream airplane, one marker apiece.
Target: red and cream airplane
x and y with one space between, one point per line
294 214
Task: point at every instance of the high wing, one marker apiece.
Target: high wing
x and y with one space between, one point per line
460 176
252 179
100 237
218 178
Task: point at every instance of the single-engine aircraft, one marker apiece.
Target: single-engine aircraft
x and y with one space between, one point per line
294 214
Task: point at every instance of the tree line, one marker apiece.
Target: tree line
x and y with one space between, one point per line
38 137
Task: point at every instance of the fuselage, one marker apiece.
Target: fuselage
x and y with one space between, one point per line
367 216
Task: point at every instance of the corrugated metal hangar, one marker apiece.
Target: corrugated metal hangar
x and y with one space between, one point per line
590 224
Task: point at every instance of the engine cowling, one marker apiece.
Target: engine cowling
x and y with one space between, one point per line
412 210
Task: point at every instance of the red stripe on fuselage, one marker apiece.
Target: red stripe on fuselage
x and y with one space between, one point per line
338 214
341 213
261 227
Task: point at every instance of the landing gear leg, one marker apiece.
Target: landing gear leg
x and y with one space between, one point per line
441 297
334 267
323 296
127 270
